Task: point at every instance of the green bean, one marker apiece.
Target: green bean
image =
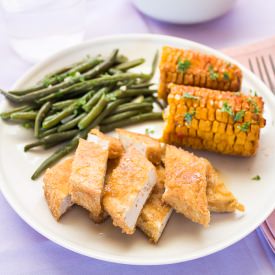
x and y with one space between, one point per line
130 121
95 98
69 147
59 154
130 64
114 71
121 59
154 65
59 78
157 101
129 93
55 119
94 112
148 99
138 99
120 116
40 116
60 105
141 85
131 107
24 115
103 67
47 132
28 125
85 86
71 124
52 139
25 108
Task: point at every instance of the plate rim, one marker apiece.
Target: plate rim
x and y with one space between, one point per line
111 257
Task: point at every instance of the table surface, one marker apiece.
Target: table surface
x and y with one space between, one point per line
24 251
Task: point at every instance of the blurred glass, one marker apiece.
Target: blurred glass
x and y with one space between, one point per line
38 28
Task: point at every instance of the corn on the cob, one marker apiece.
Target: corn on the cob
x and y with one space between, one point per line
225 122
192 68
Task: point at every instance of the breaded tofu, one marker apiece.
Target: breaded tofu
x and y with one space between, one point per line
56 187
185 184
127 188
152 147
219 198
115 146
88 176
155 213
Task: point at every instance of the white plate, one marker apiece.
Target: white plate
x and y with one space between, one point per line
182 239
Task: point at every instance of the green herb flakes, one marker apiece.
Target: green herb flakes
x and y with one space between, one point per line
213 75
226 108
245 126
189 96
149 131
239 115
257 177
226 76
188 117
183 65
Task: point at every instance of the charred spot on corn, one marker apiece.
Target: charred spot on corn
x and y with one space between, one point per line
183 66
226 108
245 126
213 75
189 116
189 96
226 76
239 115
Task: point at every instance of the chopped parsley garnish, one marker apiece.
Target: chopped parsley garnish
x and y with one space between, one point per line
148 131
183 65
187 95
213 75
239 115
188 117
257 177
245 126
251 92
46 82
254 105
226 76
226 108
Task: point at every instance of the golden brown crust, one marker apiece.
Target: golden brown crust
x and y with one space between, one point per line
154 150
124 183
219 198
56 187
155 212
185 184
115 146
87 178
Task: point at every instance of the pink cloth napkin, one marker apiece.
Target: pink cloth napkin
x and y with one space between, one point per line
242 54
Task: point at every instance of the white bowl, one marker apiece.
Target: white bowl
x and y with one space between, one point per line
184 11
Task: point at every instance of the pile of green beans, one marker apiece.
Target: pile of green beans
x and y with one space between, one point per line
66 104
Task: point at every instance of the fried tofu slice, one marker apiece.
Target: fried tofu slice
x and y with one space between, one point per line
115 146
56 187
150 146
219 198
88 176
127 188
155 213
185 184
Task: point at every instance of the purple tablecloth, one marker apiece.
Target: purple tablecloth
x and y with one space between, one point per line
24 251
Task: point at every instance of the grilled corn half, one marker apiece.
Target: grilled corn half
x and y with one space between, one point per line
224 122
192 68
